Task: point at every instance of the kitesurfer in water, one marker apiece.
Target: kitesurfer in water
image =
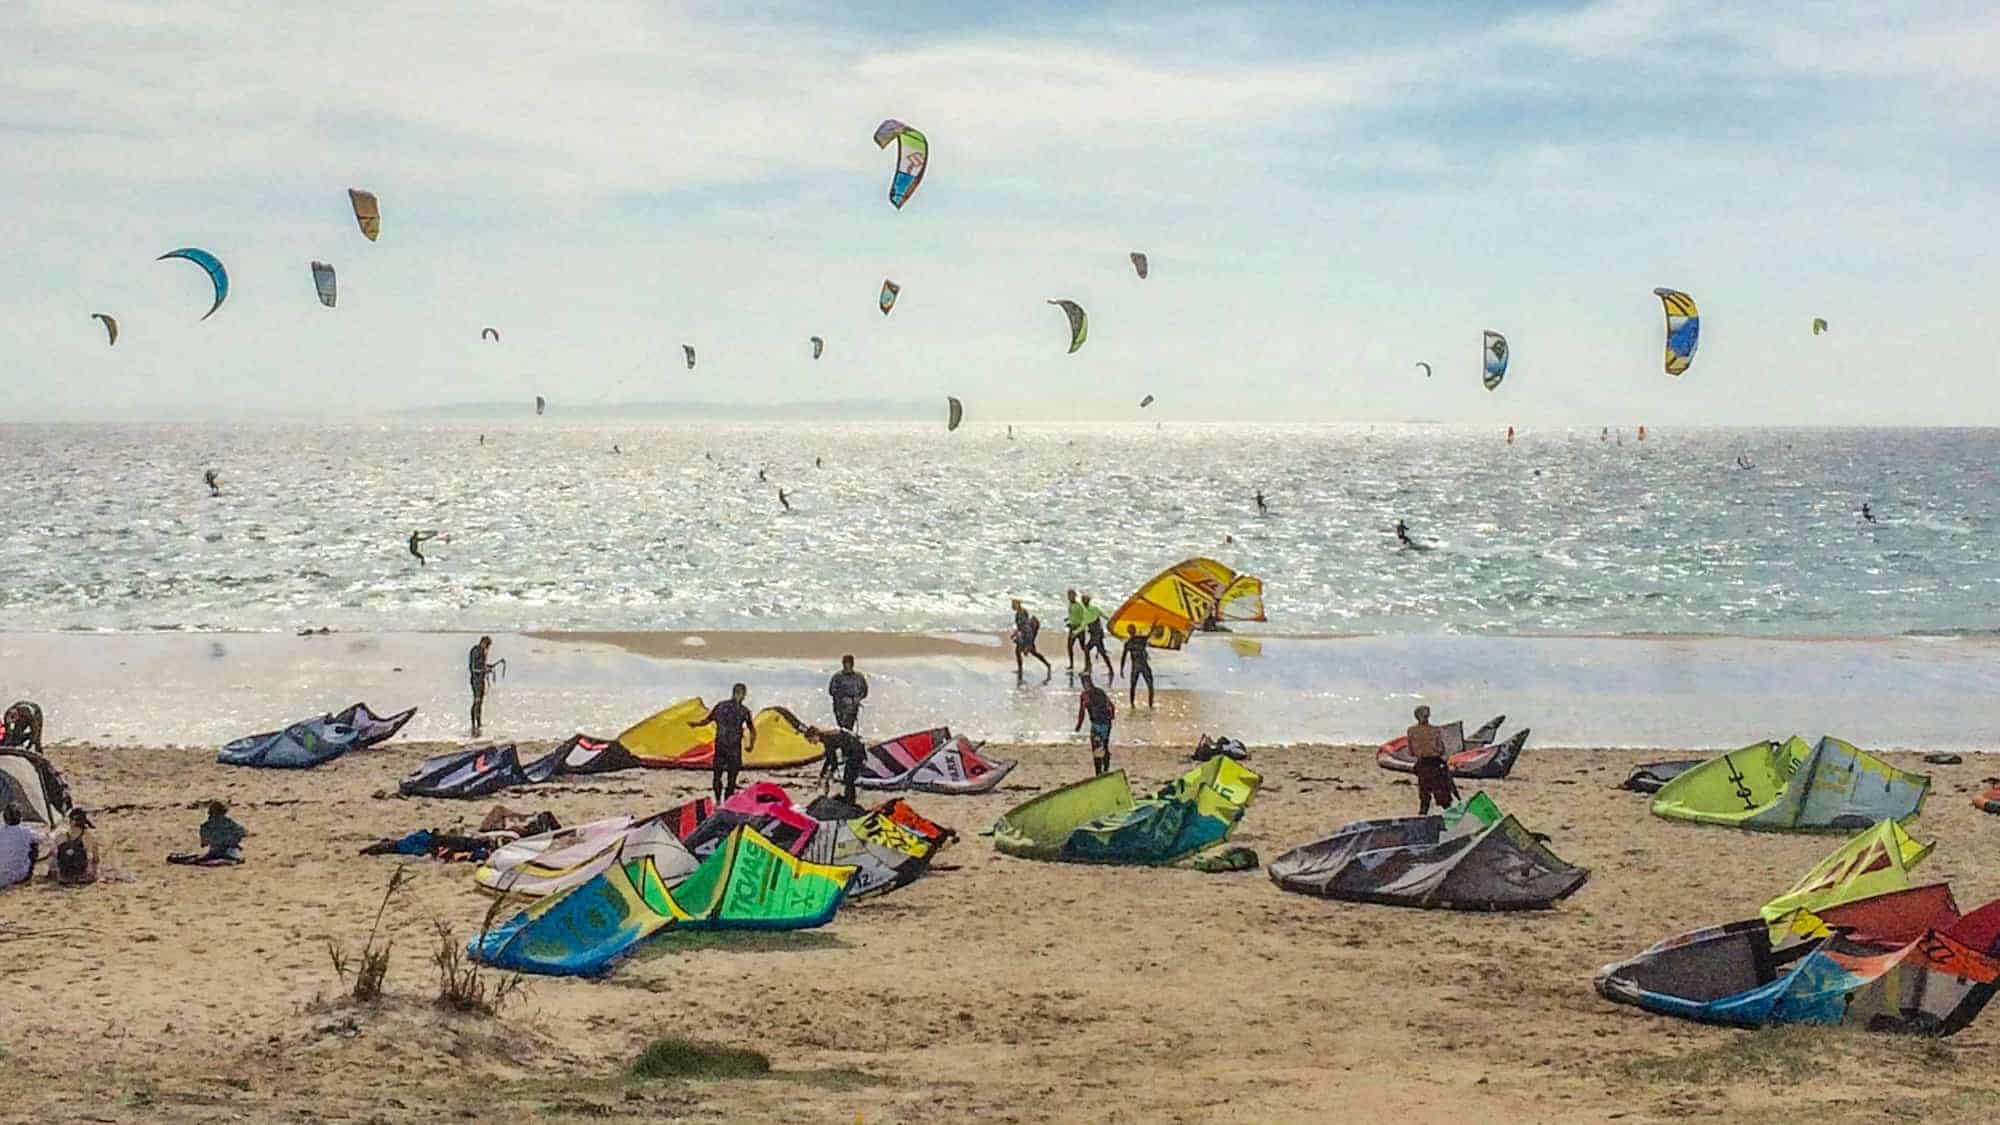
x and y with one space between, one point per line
844 751
1093 704
1433 772
482 439
1403 533
615 449
847 689
818 464
760 474
1026 628
480 670
787 504
731 720
1867 513
1142 665
417 539
1262 508
213 481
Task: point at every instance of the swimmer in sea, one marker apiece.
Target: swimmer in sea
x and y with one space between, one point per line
1867 513
1403 533
781 499
210 479
416 540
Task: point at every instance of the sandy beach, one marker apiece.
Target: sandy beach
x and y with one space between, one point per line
993 989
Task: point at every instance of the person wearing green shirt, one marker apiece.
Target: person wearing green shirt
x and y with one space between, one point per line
1093 637
1074 624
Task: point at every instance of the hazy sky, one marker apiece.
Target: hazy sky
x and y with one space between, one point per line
1327 197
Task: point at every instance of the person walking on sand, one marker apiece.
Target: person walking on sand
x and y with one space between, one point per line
1096 706
1073 628
844 752
1142 665
1093 638
1434 781
1026 628
847 689
735 732
480 669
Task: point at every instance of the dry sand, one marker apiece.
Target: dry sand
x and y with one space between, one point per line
994 989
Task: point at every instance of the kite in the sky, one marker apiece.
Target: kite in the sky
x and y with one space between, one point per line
1495 356
541 404
1139 263
888 298
110 326
688 350
492 334
1426 367
1819 325
366 212
913 154
954 413
1079 324
323 281
209 262
819 346
1145 402
1683 328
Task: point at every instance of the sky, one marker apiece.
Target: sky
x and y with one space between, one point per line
1328 195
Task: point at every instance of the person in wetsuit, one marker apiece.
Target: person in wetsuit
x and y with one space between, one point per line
211 479
1867 513
1093 637
1142 665
1026 628
1073 627
844 751
731 720
786 504
417 538
847 689
481 672
1263 509
1403 533
1093 704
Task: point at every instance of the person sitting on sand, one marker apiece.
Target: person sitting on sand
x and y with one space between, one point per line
20 848
732 720
847 689
1093 704
73 862
1026 628
1433 772
221 840
845 751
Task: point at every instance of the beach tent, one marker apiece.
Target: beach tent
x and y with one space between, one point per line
476 772
1933 985
765 807
1788 786
930 761
370 728
1873 862
1472 858
556 867
747 883
29 782
299 746
1473 755
665 739
1098 821
1650 777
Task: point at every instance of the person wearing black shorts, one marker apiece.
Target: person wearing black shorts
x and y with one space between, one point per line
731 720
844 751
1098 708
847 689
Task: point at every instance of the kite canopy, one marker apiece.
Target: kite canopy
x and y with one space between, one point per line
1139 263
664 739
1818 325
582 754
954 413
213 265
1180 599
1494 357
819 346
887 300
1683 328
1098 821
913 154
1426 367
1875 861
1732 974
477 772
1079 324
884 855
367 212
1468 858
1650 777
110 326
323 281
1473 755
299 746
554 862
688 350
1790 786
764 806
931 761
29 782
370 728
492 334
1145 402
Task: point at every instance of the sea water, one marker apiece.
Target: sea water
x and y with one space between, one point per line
901 527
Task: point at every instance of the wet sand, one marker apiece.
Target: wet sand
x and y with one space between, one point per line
993 989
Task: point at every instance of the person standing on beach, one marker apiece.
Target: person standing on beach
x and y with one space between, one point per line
1073 628
1096 706
1433 772
847 689
481 671
1026 628
1093 637
732 720
1142 665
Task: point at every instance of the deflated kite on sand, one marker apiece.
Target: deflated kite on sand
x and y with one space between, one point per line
930 761
1098 821
1473 755
1791 787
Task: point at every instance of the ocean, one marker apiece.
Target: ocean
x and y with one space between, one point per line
907 528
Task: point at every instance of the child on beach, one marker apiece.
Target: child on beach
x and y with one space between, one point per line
1026 628
74 861
1098 708
731 720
